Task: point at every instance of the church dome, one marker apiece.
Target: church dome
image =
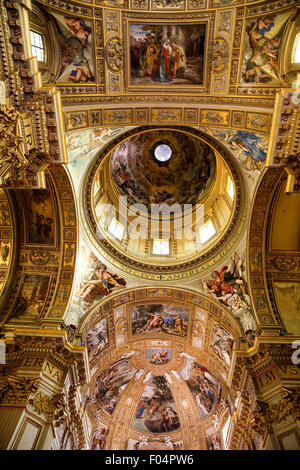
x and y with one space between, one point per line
169 198
163 166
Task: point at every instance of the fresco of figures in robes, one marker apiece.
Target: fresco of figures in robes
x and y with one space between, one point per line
93 282
97 339
32 296
98 438
111 383
249 148
158 318
262 45
204 386
213 439
156 411
40 216
75 37
167 54
229 286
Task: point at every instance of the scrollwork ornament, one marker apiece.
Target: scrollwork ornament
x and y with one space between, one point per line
42 404
220 54
114 54
284 263
10 142
258 419
16 390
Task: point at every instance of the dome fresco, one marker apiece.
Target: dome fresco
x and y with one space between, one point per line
183 174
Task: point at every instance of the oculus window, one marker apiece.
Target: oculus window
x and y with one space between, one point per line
163 152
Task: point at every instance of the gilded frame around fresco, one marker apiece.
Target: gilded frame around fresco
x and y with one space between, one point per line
207 18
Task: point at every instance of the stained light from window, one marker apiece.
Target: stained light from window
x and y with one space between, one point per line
207 232
161 247
116 229
37 45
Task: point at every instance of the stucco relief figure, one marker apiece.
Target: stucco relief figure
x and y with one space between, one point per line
100 282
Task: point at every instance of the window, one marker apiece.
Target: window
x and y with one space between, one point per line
230 188
207 232
225 431
37 45
296 50
116 229
163 152
161 247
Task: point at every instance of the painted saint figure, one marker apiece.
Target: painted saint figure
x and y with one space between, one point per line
164 55
99 283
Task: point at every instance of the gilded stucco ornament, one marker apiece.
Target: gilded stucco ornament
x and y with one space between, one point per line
220 54
10 142
16 389
114 54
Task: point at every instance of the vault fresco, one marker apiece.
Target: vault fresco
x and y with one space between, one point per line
263 40
184 179
249 148
75 35
111 383
40 219
204 386
92 283
32 297
229 286
159 318
167 54
156 411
